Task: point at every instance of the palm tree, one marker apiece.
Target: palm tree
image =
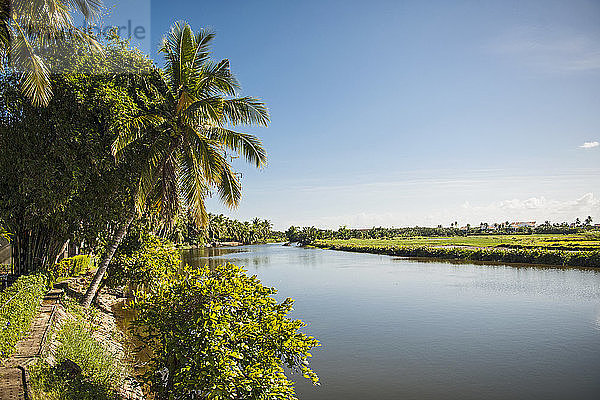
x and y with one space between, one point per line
27 25
189 136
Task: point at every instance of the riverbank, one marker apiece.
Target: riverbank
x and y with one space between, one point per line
87 353
565 258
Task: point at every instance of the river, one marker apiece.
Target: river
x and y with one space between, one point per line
395 328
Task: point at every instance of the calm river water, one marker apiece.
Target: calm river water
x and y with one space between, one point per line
394 328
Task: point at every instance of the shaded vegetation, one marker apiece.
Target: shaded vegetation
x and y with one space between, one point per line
142 259
58 383
71 266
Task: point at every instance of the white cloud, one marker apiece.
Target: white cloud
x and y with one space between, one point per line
589 145
537 209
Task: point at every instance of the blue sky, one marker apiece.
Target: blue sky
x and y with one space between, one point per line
403 113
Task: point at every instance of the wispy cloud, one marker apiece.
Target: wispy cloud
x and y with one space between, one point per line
589 145
550 50
587 202
537 209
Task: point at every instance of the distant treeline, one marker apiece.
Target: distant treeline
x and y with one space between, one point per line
307 235
223 229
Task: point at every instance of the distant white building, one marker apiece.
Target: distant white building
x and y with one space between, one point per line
517 225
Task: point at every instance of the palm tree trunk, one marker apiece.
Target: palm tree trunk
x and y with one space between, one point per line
116 240
62 250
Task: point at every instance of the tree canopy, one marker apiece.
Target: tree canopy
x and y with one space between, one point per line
59 179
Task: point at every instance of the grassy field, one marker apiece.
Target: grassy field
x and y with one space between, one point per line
581 250
577 242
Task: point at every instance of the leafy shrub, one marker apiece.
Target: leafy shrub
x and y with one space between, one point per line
19 305
218 333
142 258
72 266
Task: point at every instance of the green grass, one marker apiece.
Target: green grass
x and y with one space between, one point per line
101 370
584 242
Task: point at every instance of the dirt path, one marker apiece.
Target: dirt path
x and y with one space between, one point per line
12 373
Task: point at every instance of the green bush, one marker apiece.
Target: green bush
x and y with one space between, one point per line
19 305
217 333
72 266
142 259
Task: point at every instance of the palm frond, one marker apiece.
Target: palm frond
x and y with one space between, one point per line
35 82
209 110
208 155
249 146
4 26
132 129
216 78
176 45
39 24
202 41
229 188
89 8
246 110
168 204
193 186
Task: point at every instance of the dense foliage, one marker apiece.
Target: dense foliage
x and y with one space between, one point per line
58 178
528 256
219 334
71 266
19 305
142 259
